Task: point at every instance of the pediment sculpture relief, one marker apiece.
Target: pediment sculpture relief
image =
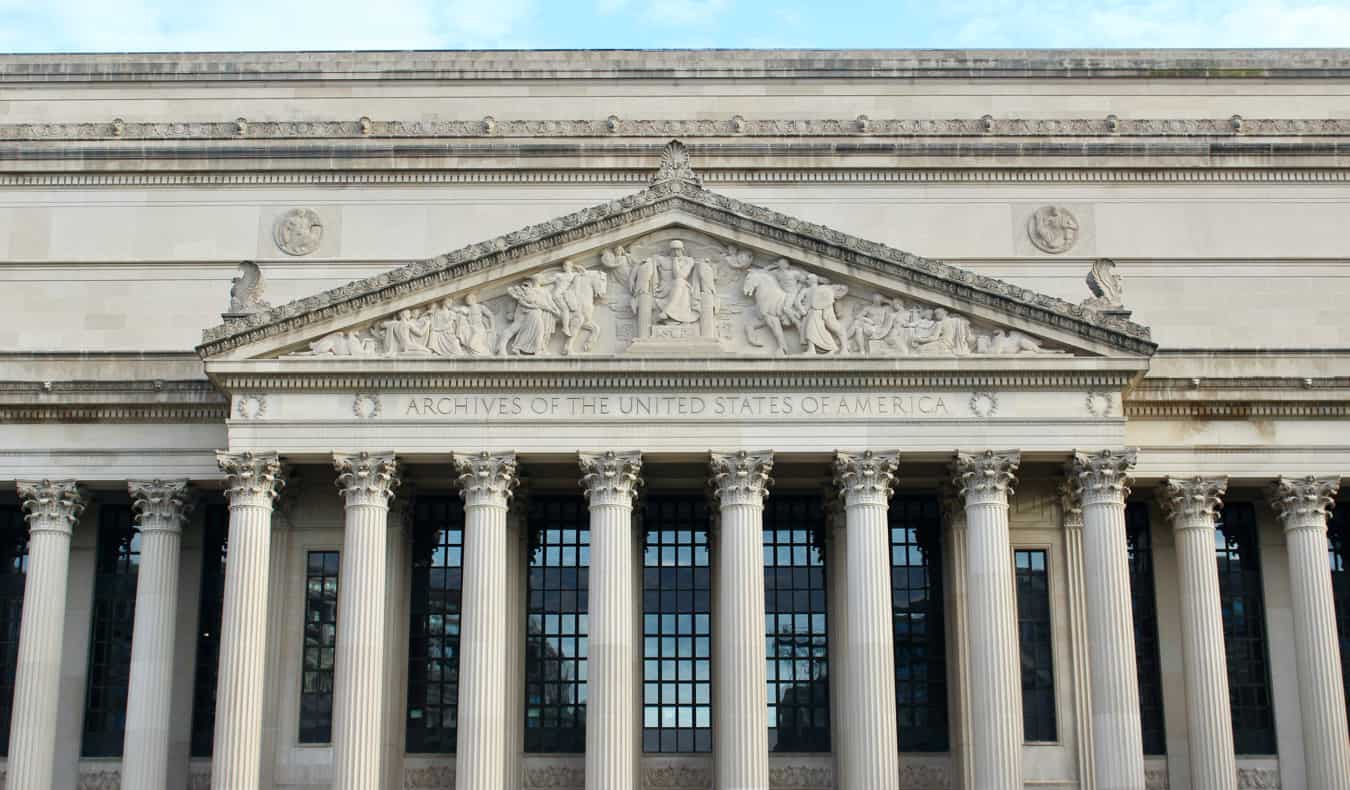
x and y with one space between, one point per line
676 292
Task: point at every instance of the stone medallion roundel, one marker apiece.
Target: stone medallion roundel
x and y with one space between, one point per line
1053 229
298 231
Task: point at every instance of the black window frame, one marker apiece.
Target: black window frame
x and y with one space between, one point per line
318 659
1144 612
557 625
681 604
796 623
210 609
1036 644
437 584
920 635
1245 631
112 622
13 576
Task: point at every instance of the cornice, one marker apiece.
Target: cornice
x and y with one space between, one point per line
734 126
509 65
157 401
686 198
372 175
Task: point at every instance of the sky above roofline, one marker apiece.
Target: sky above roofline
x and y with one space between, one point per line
31 26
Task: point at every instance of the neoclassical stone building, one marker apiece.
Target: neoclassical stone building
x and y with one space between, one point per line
675 420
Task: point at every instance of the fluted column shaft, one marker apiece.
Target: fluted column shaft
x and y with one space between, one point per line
871 751
610 480
958 639
1303 505
486 482
367 482
53 508
985 480
1192 506
162 508
252 484
740 482
1072 507
1101 481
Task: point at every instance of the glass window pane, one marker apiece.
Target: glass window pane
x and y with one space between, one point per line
1244 629
433 646
918 623
1034 628
115 567
557 625
1338 543
316 694
13 566
1140 540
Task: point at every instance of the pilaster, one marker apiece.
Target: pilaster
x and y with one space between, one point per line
611 480
367 482
161 511
985 480
1192 504
53 508
740 480
865 481
1302 505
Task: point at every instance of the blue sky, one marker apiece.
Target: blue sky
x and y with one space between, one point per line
158 25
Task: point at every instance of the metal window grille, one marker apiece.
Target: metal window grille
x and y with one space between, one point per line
676 626
210 606
13 567
1144 605
433 646
116 566
1244 629
555 639
918 623
795 617
1037 647
316 675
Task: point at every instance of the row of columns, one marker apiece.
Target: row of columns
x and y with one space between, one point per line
1098 486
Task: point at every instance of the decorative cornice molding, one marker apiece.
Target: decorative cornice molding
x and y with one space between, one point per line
160 505
987 476
867 477
1236 410
610 478
740 477
735 126
159 400
114 414
487 478
825 174
367 478
1101 477
661 198
1303 502
1192 502
52 505
251 479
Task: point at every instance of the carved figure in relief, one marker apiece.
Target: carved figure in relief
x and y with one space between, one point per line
1107 287
951 335
445 319
563 295
1053 229
1002 341
705 278
588 287
820 327
872 322
476 326
246 290
677 306
774 291
535 321
408 333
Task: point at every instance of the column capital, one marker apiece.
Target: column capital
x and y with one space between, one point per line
367 478
1103 476
52 505
953 505
487 478
609 477
251 479
1303 502
1070 492
987 476
741 477
160 505
1192 502
867 477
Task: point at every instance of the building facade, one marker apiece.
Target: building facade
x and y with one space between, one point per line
675 420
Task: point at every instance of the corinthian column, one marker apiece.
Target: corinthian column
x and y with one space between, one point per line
1101 482
253 481
161 509
1302 505
610 480
985 480
53 506
367 482
871 751
486 482
1191 505
740 481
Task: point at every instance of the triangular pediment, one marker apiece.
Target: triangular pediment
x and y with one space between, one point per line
676 270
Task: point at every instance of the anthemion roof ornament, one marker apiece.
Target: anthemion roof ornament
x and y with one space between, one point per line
676 165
